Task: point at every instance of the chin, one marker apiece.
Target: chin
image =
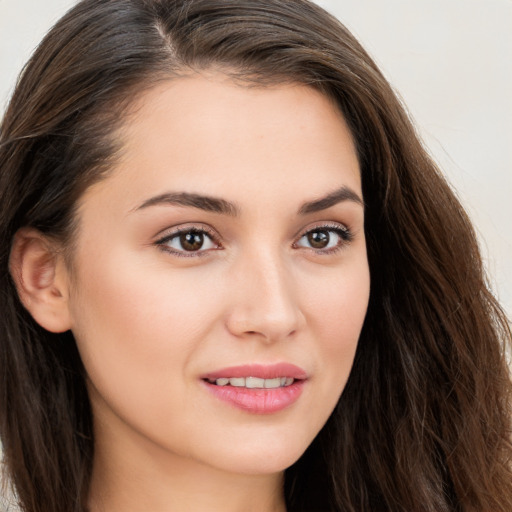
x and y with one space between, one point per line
264 458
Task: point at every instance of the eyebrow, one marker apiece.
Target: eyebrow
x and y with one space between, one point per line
337 196
217 205
207 203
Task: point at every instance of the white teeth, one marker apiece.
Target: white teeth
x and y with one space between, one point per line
254 382
238 382
272 383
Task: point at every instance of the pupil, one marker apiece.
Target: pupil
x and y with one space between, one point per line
318 239
191 241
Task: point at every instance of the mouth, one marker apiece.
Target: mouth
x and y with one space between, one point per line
253 382
259 389
256 375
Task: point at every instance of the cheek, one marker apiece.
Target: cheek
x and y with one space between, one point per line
137 327
338 303
336 315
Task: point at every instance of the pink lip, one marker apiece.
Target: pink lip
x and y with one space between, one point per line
258 401
260 371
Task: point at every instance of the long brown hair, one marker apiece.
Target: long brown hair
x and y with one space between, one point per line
424 423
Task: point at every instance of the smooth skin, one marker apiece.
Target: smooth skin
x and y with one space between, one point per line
164 288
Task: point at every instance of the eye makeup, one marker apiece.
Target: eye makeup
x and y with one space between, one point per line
200 240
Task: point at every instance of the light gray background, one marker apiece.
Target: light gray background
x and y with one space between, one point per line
450 61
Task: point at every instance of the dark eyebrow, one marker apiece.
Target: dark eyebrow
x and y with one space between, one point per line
207 203
342 194
217 205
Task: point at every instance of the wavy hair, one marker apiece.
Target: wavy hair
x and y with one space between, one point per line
424 423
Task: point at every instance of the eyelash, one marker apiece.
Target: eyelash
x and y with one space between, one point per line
162 242
346 236
344 233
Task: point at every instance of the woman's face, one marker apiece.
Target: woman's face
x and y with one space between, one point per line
227 243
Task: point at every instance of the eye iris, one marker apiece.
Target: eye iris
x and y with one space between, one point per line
192 240
318 239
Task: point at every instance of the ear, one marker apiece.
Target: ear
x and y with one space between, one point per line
41 278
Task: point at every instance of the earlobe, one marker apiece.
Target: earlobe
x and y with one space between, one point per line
40 276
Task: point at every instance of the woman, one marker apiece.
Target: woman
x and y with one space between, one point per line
234 280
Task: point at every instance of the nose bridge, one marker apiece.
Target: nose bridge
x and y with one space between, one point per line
266 302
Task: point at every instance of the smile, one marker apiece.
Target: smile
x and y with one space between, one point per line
256 388
253 382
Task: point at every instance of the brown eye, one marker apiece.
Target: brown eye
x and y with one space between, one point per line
192 240
326 239
318 239
188 241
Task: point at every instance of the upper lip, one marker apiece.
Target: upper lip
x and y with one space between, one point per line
262 371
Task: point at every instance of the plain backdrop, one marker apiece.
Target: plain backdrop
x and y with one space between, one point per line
449 60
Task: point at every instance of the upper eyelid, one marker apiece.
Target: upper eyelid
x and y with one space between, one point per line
332 225
185 228
165 237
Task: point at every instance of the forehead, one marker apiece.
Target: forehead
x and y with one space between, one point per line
204 133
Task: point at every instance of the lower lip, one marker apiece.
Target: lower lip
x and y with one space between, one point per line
257 400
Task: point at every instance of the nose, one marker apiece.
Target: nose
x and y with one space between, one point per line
265 304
